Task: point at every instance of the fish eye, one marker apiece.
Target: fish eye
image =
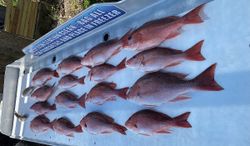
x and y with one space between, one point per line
85 125
135 125
130 37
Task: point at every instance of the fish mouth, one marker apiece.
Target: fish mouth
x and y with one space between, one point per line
127 124
128 63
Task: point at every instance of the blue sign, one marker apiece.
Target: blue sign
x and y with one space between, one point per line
79 25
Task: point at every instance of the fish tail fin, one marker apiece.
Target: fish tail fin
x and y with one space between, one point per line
78 129
194 53
123 92
122 64
119 128
81 80
55 74
181 120
82 100
205 81
53 107
197 15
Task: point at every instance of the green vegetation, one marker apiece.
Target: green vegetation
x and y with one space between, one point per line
2 3
87 3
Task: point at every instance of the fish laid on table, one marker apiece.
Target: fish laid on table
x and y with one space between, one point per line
152 34
65 127
101 53
43 107
69 65
156 88
97 123
102 72
70 81
104 92
149 122
159 58
43 75
28 91
70 100
40 124
43 93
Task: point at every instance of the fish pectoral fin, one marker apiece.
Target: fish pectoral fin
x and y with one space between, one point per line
163 131
143 62
179 98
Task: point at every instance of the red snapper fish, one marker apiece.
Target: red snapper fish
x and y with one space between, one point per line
65 127
148 122
70 100
69 65
97 123
102 72
101 53
40 124
43 107
104 92
157 88
152 34
43 93
159 58
70 81
43 75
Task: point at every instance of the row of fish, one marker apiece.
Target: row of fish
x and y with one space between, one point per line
144 122
152 89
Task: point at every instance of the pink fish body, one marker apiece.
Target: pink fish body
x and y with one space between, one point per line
43 107
70 100
102 72
159 58
69 65
104 92
98 124
148 122
43 75
43 93
101 53
153 33
65 127
70 81
157 88
40 124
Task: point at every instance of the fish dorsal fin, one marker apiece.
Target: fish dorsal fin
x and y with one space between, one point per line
102 116
170 50
160 21
111 84
177 75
